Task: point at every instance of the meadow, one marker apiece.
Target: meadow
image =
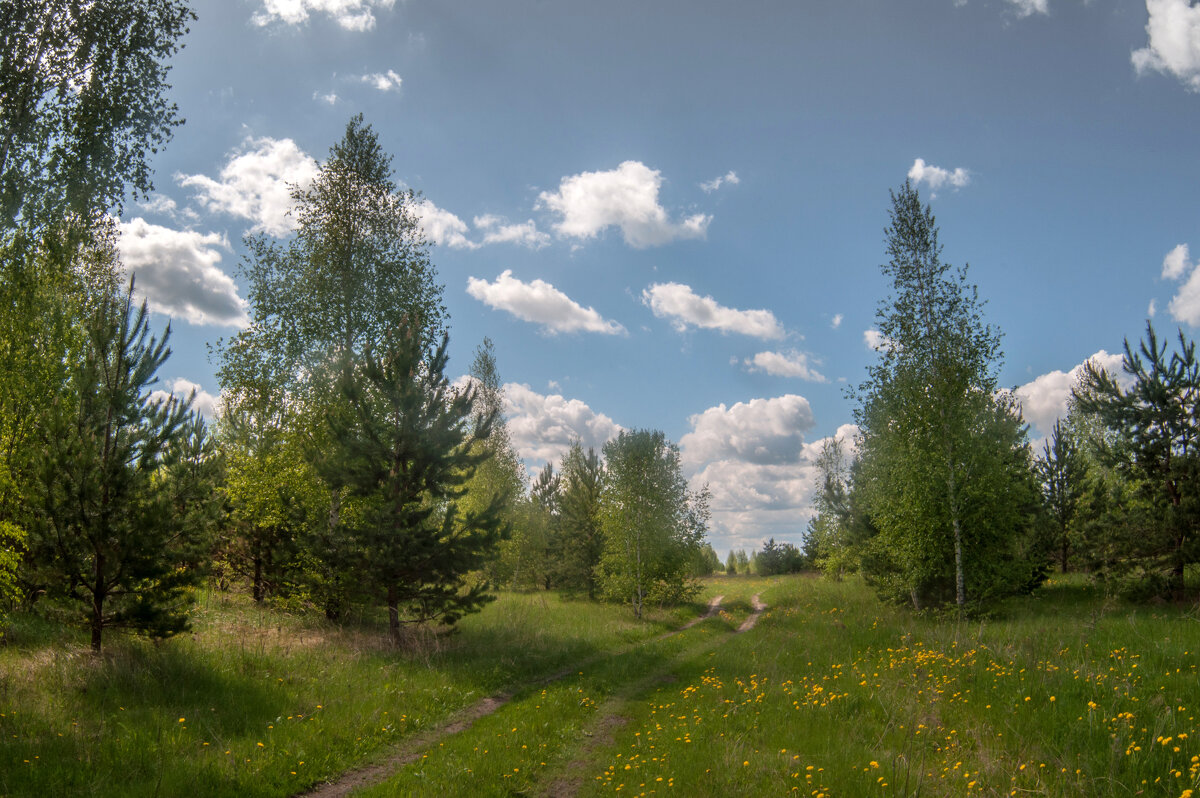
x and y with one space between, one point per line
1064 693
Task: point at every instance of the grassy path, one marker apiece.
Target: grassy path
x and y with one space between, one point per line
540 741
462 721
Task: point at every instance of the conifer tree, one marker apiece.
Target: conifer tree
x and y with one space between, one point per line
579 542
405 443
122 505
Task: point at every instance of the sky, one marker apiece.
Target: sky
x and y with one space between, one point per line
669 215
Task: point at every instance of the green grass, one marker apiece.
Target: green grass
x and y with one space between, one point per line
1065 693
255 702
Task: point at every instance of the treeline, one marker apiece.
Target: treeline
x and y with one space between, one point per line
941 500
345 471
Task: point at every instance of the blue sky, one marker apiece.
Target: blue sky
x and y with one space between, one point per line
670 214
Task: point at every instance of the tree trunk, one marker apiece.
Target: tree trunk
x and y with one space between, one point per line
960 587
258 585
393 602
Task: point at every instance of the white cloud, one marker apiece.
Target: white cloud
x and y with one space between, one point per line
329 99
876 341
256 184
1152 309
498 231
540 303
761 431
160 204
936 177
1185 305
837 321
357 15
542 427
441 226
760 470
177 272
785 364
1027 8
1044 399
684 307
625 197
1174 41
203 402
383 81
1176 263
729 177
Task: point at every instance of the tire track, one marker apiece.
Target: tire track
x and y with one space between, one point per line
411 750
601 731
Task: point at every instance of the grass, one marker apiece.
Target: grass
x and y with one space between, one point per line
264 704
1065 693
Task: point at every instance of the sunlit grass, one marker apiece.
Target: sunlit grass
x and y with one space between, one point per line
255 702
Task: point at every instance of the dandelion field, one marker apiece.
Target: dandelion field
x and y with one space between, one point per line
1065 693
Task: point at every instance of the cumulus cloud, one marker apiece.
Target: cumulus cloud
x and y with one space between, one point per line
1027 8
203 402
761 431
383 81
356 15
256 184
542 427
729 178
177 272
329 98
936 177
1044 399
837 321
686 308
441 226
1185 305
876 341
785 364
540 303
626 198
498 231
1173 48
761 471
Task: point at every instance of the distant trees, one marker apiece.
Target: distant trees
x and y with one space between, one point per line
651 524
579 539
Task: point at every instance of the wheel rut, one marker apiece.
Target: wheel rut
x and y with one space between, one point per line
412 749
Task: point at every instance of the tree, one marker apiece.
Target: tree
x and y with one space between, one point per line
1061 469
82 105
124 496
944 463
356 272
731 563
1156 419
406 444
501 477
651 524
578 544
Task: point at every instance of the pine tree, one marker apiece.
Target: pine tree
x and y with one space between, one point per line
405 443
579 542
124 484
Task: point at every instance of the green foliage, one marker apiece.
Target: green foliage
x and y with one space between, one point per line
779 558
945 473
1154 460
579 541
652 525
356 273
123 490
1061 470
731 563
82 105
405 445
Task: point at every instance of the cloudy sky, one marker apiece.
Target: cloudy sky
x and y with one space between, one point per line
670 215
